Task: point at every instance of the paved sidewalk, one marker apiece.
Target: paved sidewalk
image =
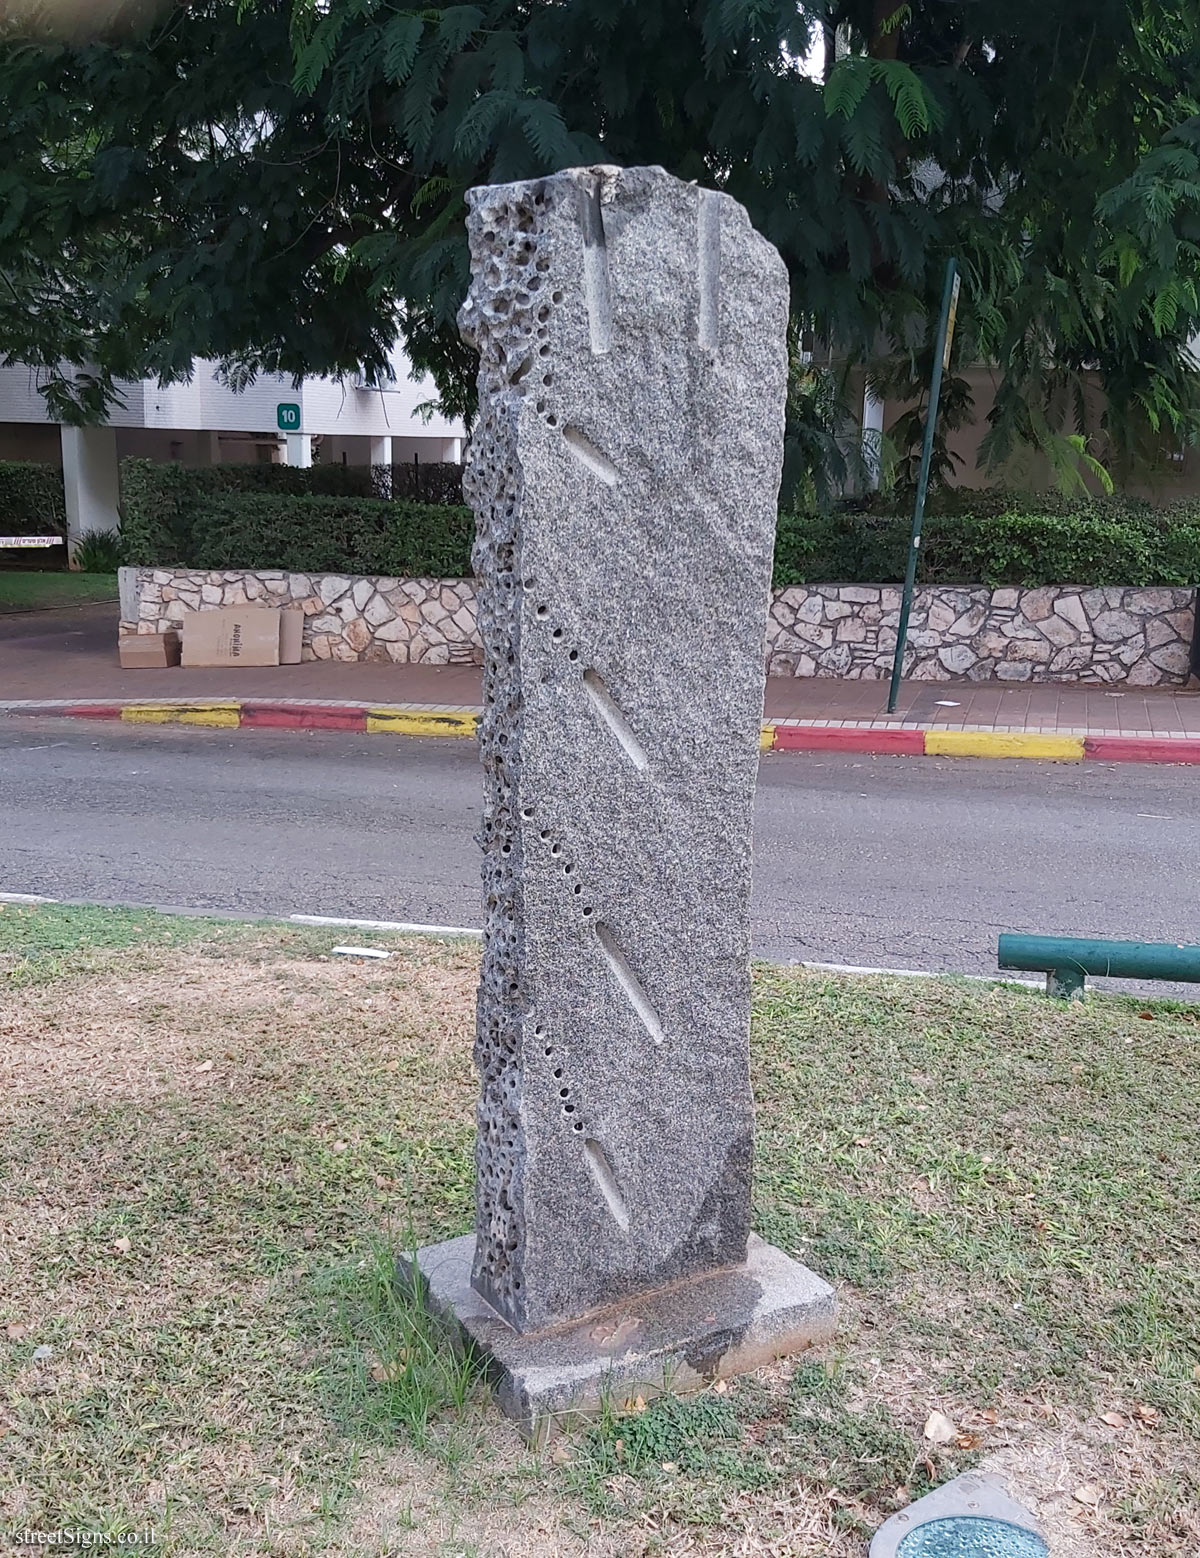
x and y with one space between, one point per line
68 658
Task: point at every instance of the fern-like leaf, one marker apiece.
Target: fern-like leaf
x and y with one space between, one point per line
315 56
916 109
478 125
847 85
546 133
1166 308
456 26
401 41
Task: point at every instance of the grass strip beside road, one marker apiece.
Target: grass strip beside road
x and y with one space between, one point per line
214 1137
37 590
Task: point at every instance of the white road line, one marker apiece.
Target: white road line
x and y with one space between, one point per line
397 925
914 973
407 929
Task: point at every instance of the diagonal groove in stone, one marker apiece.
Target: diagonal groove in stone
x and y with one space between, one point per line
586 452
630 983
602 1173
609 710
596 287
708 234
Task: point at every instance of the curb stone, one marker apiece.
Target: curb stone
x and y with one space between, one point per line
416 719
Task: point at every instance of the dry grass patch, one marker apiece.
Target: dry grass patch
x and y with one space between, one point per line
214 1137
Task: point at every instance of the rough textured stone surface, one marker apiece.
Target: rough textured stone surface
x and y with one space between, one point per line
1142 636
679 1338
624 473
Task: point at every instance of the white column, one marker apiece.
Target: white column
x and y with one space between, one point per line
872 437
381 451
299 449
90 481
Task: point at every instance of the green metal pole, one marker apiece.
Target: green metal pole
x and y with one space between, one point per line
945 336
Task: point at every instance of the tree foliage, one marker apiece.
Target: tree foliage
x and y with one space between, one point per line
278 184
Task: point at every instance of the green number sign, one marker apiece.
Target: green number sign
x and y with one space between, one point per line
287 415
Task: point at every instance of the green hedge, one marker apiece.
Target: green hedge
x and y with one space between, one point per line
159 501
334 519
326 518
310 534
1090 542
31 499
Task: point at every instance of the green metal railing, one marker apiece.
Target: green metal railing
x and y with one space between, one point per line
1067 960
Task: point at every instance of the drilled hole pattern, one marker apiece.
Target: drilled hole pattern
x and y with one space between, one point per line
506 317
554 844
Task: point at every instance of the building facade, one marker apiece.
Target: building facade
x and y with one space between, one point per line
203 422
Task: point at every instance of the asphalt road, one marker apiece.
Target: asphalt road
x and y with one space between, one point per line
895 862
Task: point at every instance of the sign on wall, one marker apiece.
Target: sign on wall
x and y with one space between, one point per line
287 416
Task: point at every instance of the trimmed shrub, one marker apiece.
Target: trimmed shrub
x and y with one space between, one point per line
432 482
159 501
311 534
1090 541
31 499
356 519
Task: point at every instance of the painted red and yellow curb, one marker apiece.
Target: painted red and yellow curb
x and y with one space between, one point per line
1042 745
422 720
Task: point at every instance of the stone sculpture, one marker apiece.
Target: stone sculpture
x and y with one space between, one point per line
624 474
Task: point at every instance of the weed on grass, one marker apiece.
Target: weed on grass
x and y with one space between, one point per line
400 1371
706 1460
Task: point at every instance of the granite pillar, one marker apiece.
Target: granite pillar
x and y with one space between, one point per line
624 473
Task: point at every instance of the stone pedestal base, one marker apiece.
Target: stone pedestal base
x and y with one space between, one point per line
677 1338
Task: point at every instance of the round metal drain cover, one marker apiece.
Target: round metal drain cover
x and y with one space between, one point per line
971 1536
972 1517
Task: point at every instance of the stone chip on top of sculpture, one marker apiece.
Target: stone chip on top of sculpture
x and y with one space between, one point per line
624 475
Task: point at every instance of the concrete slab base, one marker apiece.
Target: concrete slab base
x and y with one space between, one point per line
677 1338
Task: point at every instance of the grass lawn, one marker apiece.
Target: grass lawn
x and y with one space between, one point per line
30 590
213 1138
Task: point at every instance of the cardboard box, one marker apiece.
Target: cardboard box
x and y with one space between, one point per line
232 635
148 651
291 634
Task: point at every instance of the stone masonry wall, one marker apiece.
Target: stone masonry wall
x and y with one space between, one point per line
1056 633
429 621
